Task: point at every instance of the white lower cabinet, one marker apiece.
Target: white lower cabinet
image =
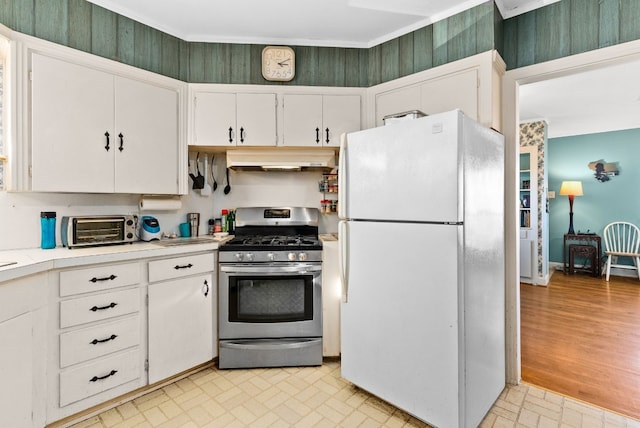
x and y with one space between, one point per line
97 352
22 351
182 329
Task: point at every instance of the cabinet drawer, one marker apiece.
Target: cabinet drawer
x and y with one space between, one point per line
98 307
88 343
93 378
178 267
98 278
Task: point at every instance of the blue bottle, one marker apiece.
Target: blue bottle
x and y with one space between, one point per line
48 229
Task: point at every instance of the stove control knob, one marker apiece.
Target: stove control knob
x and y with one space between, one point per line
249 257
239 257
271 257
302 257
292 257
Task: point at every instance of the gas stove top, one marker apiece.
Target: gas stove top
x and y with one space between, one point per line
274 234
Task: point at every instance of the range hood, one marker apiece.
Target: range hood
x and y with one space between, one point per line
281 159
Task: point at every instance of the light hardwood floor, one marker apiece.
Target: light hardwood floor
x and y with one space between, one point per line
581 338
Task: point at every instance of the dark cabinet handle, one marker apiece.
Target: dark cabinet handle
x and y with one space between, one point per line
106 134
317 135
176 267
242 135
102 308
230 134
106 278
121 148
96 341
327 131
206 290
97 378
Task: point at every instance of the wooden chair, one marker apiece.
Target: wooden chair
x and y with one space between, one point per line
622 239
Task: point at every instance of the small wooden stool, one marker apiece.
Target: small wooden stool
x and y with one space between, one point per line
586 251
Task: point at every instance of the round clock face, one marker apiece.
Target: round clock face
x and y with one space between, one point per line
278 63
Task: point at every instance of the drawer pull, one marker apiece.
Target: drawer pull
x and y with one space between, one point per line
97 378
101 308
96 341
206 290
177 267
106 278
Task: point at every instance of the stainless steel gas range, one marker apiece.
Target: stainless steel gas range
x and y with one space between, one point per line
270 290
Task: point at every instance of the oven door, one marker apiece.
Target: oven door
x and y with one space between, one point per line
272 301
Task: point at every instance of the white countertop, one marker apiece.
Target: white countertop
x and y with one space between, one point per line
34 260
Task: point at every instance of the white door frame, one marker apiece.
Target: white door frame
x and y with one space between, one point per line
511 83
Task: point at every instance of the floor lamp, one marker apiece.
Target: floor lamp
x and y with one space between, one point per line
571 189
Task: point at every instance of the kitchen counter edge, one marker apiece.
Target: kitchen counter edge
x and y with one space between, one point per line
35 260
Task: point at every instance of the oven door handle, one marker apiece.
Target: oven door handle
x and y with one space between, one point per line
261 269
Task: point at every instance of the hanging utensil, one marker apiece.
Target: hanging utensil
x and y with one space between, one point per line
198 180
213 176
206 189
227 188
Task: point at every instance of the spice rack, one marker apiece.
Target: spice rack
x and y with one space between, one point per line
328 185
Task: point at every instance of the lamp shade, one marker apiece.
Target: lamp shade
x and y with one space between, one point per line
572 188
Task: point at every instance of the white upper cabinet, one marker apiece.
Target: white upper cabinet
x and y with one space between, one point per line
96 132
319 120
230 119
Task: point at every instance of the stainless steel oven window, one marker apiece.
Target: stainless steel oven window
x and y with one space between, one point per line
270 299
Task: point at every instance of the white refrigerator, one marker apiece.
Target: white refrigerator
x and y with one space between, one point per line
422 262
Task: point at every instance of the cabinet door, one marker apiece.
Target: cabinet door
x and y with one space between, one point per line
215 119
256 120
72 108
340 114
397 101
181 330
16 370
147 138
302 120
456 91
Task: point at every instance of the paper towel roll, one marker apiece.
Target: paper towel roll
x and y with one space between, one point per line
148 203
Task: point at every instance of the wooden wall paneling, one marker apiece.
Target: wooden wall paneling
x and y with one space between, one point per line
240 64
325 67
80 25
7 13
552 32
608 23
255 66
306 65
423 49
485 26
148 47
389 60
337 61
526 40
24 16
170 60
374 65
405 55
440 35
461 35
196 62
509 47
584 26
629 20
51 21
217 62
126 40
352 72
104 28
498 30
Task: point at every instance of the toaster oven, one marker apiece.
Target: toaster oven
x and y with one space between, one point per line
98 230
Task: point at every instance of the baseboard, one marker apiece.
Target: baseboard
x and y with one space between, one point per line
614 271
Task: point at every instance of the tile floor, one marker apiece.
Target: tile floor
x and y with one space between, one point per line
319 397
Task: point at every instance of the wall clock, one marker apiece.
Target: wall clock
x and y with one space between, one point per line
278 63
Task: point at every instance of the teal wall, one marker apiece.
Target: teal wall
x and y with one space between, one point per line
603 202
568 27
90 28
